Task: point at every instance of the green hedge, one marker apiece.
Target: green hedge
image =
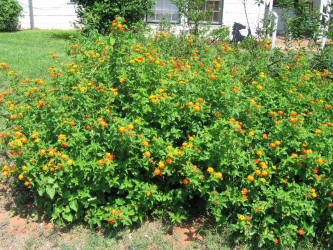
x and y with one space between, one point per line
10 11
98 14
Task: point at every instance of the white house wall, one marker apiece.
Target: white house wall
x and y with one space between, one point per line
49 14
60 14
24 20
234 13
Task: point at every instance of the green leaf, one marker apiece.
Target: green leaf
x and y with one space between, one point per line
68 216
112 41
73 205
50 180
50 191
40 190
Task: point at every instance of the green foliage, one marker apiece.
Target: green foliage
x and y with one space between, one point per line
126 131
221 34
194 11
304 22
323 60
98 14
289 4
267 25
327 21
10 11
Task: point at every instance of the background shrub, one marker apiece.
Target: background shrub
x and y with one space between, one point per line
323 60
98 14
221 34
10 11
305 22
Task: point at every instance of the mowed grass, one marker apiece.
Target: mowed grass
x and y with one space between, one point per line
27 52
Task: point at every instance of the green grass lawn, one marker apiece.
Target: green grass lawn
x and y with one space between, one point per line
27 52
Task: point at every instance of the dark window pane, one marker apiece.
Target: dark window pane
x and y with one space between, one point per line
210 5
214 7
216 17
175 17
217 5
151 17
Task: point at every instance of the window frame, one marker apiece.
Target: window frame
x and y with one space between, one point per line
221 17
171 22
180 17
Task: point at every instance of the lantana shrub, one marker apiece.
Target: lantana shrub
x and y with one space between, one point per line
123 132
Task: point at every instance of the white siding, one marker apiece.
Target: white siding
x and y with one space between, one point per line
234 13
60 14
49 14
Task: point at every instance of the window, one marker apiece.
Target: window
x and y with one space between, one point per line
215 9
164 10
